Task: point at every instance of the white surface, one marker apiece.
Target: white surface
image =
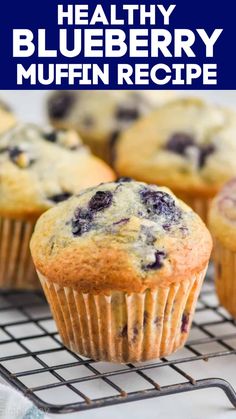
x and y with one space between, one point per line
210 404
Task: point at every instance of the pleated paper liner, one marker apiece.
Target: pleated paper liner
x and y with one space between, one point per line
225 276
200 205
16 266
122 327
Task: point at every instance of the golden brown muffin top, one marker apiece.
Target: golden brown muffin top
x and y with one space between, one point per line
40 167
222 218
187 145
122 235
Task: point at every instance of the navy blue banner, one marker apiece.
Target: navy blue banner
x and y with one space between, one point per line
116 44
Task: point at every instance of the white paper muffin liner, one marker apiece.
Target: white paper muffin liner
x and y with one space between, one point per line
16 266
225 276
122 327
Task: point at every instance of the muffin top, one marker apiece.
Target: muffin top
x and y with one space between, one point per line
187 145
222 218
40 167
7 118
101 115
122 235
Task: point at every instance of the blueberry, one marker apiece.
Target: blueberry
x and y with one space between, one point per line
51 136
60 197
83 217
179 142
81 222
15 152
205 152
158 263
100 201
20 157
184 323
123 179
60 104
166 226
127 113
160 203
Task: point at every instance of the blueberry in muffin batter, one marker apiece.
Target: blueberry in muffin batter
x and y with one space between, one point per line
100 201
61 105
181 143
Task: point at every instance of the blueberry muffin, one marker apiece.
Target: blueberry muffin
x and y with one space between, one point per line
38 168
7 118
222 220
99 116
187 145
122 265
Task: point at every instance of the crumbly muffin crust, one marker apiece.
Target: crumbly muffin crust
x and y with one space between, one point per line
122 235
187 145
40 167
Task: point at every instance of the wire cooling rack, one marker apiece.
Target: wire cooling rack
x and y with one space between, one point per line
33 359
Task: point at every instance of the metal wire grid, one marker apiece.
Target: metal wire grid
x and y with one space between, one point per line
53 371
